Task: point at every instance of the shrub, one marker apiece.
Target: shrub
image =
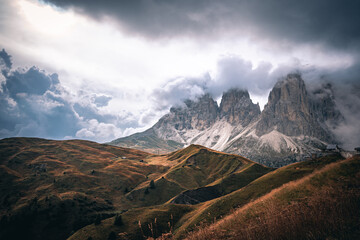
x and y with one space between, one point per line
98 220
152 184
118 220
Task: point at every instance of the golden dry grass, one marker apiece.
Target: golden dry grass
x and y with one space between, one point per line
297 210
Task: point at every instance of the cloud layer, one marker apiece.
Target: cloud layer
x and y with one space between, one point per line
34 103
333 23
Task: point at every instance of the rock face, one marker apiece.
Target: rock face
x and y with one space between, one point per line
290 111
198 114
237 108
294 123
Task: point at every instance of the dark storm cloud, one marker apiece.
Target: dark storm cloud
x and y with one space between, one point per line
31 81
32 105
330 22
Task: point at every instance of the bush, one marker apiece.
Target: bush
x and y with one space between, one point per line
118 220
152 184
98 220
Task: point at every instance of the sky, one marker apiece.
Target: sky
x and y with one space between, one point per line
100 70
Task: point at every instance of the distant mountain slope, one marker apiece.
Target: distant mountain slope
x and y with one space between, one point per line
148 141
294 124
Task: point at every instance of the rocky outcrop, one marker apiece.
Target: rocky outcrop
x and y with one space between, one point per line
291 111
198 114
195 115
237 108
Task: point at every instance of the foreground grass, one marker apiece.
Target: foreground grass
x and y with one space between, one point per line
139 223
208 212
323 205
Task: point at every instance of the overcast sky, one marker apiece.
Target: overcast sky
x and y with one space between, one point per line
100 70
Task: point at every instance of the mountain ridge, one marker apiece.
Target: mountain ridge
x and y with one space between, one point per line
294 124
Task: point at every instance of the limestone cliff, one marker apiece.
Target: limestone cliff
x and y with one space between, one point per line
291 111
237 108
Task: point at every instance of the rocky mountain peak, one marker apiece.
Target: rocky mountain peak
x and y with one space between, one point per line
289 111
296 120
290 90
196 114
237 108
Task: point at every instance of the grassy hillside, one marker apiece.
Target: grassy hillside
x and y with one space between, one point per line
46 184
223 172
84 190
322 205
139 223
190 217
197 167
220 207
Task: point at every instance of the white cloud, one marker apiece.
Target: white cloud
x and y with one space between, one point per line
102 132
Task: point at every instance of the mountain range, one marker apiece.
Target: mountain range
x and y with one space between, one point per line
295 123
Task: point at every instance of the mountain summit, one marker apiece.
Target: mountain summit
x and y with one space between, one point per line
294 123
289 111
237 108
